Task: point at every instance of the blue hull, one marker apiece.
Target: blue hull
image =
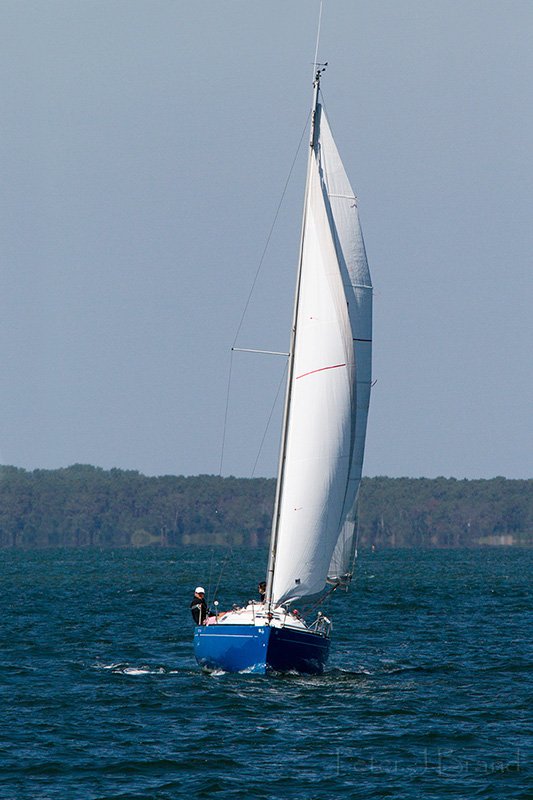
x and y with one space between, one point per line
233 648
292 650
257 650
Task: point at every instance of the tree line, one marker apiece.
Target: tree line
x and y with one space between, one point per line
85 506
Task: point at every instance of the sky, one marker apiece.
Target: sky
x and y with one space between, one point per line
144 151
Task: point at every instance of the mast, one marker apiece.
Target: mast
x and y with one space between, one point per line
288 392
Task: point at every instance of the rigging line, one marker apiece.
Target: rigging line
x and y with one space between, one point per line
270 232
355 556
322 599
224 429
227 558
317 38
210 576
282 381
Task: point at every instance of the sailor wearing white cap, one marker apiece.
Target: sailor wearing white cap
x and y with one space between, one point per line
199 608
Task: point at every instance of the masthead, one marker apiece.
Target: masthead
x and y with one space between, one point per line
320 68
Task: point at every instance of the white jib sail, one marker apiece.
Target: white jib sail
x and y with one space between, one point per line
331 385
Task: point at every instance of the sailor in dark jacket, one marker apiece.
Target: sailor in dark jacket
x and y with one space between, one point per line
199 608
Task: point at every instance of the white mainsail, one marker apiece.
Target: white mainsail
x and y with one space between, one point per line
330 385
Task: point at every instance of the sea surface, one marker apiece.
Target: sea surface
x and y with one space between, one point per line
428 692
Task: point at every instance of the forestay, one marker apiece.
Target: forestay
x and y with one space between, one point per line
330 390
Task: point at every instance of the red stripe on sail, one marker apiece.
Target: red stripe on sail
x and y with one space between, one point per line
322 369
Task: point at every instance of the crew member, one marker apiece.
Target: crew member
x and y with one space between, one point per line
262 587
199 608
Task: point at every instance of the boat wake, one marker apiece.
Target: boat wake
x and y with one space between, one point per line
121 668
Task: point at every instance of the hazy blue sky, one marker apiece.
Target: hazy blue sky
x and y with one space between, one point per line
144 148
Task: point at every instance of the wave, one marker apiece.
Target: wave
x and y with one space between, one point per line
123 668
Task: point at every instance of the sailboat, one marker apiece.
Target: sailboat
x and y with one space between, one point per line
313 539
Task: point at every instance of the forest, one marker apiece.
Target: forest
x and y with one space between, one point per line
86 506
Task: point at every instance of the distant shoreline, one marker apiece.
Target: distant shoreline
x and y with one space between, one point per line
85 506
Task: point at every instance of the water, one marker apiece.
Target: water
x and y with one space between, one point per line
428 691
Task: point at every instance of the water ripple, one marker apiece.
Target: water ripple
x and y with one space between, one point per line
427 694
